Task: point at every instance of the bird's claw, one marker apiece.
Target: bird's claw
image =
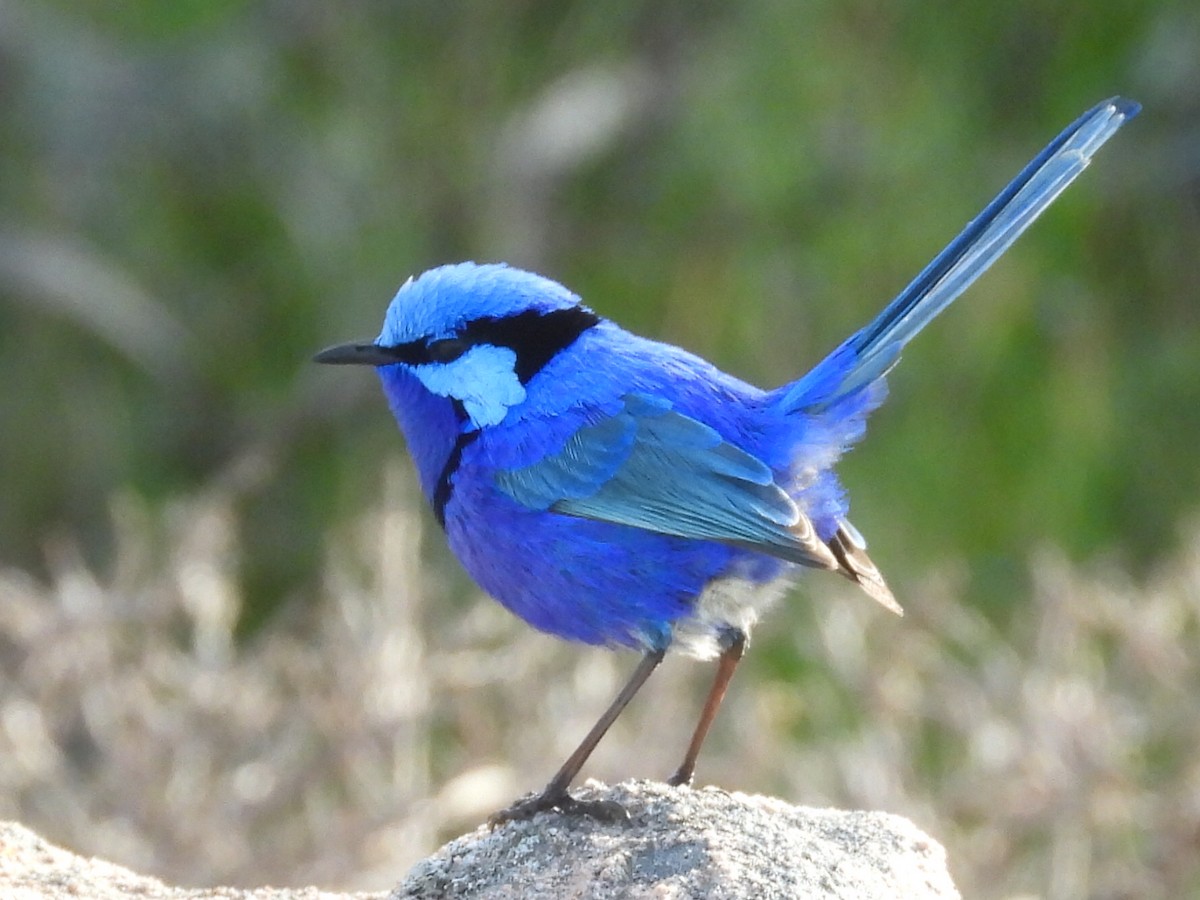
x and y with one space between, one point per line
680 779
608 811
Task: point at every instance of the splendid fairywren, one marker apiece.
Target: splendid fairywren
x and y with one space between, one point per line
615 490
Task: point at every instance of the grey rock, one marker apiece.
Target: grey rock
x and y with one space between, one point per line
683 843
677 843
31 868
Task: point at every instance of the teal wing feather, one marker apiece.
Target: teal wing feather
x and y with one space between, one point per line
651 467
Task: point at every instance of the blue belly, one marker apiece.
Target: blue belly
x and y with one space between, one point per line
584 580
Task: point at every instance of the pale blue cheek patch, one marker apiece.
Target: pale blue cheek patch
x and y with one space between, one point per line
482 379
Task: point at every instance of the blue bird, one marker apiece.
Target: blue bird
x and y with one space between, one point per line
615 490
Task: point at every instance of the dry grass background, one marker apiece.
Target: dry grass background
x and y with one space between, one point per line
346 743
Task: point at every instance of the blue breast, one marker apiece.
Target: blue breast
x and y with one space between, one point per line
580 579
431 425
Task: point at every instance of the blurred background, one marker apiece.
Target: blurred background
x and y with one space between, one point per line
232 645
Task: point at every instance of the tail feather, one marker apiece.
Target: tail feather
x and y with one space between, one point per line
868 354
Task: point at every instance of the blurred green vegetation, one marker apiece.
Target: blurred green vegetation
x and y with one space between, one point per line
193 197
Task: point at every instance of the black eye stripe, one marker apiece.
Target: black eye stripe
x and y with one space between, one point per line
447 349
535 337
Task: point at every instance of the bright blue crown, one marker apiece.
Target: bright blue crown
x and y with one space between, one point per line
444 299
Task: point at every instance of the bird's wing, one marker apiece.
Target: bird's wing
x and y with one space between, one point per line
652 467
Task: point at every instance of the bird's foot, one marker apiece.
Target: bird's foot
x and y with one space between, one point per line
680 779
607 811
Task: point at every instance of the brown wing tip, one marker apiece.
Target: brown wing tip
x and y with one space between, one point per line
857 566
878 590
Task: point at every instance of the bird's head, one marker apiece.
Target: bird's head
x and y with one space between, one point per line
474 334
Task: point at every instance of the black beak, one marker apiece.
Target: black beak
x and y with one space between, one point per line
356 355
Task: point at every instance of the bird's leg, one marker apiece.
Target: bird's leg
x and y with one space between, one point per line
735 645
554 795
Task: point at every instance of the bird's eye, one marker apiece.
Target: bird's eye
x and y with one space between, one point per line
446 350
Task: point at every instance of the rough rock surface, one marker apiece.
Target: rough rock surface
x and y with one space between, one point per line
681 843
34 869
678 843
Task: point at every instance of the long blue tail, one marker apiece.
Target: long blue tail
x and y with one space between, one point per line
870 352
